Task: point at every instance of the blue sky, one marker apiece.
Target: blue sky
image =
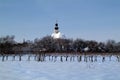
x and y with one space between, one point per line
87 19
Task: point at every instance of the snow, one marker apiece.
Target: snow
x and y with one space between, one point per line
48 70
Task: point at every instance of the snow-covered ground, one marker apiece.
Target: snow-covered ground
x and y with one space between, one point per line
50 70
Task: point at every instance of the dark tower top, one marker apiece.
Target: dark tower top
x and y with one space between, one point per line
56 26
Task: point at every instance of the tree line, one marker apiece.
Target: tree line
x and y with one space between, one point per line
8 45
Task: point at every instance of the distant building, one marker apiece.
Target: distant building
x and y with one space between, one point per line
86 49
57 34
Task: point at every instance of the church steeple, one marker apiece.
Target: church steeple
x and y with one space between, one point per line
57 34
56 26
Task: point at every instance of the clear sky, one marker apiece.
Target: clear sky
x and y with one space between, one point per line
87 19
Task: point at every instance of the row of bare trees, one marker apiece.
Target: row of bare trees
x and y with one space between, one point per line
48 44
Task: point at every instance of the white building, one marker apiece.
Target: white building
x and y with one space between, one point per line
57 34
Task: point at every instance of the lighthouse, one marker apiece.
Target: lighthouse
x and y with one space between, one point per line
56 34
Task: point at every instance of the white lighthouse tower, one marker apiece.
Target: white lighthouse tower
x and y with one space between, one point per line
56 34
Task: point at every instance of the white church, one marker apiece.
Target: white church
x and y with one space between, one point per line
57 34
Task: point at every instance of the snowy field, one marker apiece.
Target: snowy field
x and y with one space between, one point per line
57 70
